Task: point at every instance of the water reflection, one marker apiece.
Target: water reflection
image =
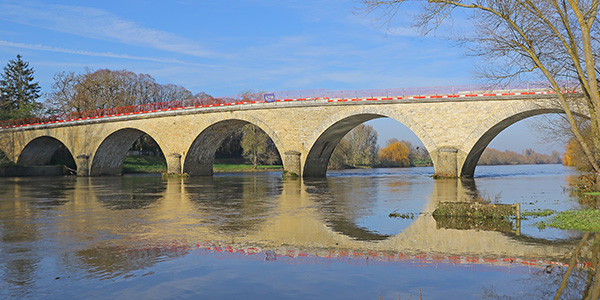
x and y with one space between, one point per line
135 192
112 261
341 205
20 261
578 279
233 205
40 192
125 227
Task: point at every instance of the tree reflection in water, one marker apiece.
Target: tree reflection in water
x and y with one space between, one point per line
108 262
21 201
579 280
341 206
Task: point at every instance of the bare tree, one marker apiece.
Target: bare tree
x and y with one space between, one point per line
553 40
357 148
105 88
257 146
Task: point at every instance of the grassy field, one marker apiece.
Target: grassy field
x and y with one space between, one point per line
144 164
244 168
153 164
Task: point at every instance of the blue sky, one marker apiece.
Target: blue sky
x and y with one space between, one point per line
226 47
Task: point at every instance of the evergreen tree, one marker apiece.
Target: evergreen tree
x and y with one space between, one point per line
18 91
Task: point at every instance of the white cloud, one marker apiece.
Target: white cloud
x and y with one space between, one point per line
91 53
98 24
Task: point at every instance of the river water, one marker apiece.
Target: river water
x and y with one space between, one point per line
258 236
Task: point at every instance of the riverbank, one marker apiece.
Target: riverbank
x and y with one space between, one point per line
135 164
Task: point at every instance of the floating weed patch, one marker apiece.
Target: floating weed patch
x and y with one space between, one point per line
538 213
592 193
587 220
478 216
474 210
462 223
403 215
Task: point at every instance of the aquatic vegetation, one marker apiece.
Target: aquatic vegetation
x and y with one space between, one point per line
587 220
538 213
403 215
479 216
474 210
484 224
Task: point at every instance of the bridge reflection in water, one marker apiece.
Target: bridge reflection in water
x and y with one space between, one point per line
110 226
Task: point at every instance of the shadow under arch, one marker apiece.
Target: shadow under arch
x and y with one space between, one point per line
337 126
109 157
501 122
201 154
41 151
3 157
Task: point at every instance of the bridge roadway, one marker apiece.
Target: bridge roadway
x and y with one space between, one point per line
292 220
455 129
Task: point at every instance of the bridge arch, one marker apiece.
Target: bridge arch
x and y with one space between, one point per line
40 150
3 155
109 156
333 129
478 140
201 154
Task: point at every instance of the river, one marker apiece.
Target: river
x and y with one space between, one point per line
258 236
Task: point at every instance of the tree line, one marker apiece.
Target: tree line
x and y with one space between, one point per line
359 149
72 92
527 157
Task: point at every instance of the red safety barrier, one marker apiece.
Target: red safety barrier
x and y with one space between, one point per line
418 93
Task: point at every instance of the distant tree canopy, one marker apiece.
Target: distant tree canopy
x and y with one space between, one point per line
574 155
357 148
529 156
18 92
105 88
403 154
396 154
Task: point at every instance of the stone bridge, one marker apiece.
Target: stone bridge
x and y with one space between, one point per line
455 129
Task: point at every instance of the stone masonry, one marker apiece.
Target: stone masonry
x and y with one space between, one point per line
455 131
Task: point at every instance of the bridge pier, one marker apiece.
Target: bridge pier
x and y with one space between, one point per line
291 164
446 164
174 163
83 165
